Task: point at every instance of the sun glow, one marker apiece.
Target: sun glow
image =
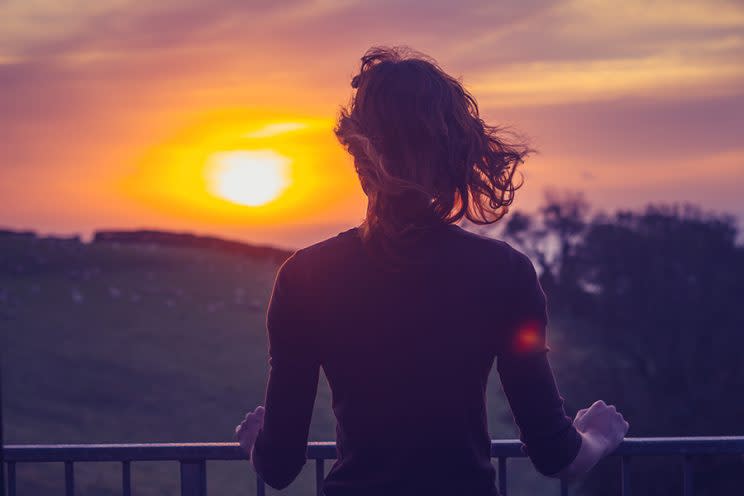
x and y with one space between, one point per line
248 177
239 168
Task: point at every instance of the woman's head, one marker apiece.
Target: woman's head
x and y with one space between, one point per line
420 148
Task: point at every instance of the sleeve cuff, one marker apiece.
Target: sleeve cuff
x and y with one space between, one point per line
549 458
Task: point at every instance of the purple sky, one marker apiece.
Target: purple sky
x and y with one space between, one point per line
631 102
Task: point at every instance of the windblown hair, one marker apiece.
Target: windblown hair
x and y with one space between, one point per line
422 152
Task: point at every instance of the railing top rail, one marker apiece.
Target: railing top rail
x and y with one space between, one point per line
510 448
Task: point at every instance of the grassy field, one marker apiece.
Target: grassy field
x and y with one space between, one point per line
109 343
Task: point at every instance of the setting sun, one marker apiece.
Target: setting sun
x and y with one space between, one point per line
248 177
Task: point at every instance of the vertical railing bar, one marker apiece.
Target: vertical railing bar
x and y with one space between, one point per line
2 440
502 475
625 476
319 476
126 478
687 476
564 487
69 479
193 477
260 486
11 478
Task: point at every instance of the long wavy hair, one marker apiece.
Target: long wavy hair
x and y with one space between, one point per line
422 152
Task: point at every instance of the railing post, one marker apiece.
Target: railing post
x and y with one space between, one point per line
193 478
69 479
687 476
319 476
625 475
126 478
502 475
11 479
260 486
2 440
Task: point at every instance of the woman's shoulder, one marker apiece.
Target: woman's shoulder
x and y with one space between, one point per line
330 244
494 259
322 251
488 246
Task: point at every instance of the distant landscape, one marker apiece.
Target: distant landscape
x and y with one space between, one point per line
147 336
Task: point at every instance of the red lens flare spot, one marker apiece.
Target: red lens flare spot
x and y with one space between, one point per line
528 338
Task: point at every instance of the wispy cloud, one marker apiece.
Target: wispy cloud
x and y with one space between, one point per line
275 129
540 83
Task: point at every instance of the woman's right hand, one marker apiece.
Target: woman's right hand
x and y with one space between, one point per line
603 423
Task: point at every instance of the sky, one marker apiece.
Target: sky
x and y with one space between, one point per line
111 112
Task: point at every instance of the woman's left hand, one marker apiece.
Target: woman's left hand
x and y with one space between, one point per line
247 431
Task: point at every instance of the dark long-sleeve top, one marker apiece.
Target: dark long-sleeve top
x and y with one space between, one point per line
407 355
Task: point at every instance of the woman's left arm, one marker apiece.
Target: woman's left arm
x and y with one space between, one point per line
280 448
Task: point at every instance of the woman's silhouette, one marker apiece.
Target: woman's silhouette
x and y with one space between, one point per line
407 312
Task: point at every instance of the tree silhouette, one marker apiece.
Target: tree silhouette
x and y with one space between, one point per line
649 301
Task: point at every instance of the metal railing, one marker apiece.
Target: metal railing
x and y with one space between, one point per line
193 457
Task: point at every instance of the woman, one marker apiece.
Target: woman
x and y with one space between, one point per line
407 312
